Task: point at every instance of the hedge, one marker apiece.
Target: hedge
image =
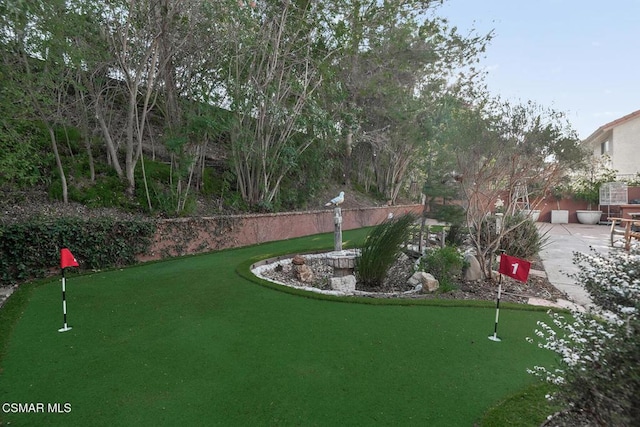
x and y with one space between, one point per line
31 249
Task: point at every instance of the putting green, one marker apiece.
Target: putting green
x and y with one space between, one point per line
190 342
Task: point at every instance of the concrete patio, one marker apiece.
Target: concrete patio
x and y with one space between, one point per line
557 255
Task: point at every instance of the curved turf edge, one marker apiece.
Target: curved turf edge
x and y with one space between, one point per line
244 270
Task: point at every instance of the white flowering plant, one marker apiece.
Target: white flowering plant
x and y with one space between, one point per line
598 371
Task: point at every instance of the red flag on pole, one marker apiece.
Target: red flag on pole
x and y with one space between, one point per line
67 259
515 268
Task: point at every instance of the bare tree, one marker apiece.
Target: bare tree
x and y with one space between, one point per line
149 43
394 64
40 49
272 79
499 149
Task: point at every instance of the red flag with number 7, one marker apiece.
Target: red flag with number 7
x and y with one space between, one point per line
515 268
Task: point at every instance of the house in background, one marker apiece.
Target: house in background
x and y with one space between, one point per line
620 141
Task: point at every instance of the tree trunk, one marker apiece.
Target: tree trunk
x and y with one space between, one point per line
347 158
129 164
52 134
84 125
111 148
63 178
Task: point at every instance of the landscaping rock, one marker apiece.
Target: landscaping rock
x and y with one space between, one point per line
345 284
417 278
303 273
427 282
397 283
5 293
298 260
473 270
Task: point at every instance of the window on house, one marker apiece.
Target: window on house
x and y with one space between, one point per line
605 147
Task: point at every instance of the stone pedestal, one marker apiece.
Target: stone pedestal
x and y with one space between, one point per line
346 284
499 219
343 262
337 234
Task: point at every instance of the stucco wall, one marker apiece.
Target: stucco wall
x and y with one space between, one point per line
548 204
626 147
195 235
175 237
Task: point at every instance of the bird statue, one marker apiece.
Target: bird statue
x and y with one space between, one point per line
336 200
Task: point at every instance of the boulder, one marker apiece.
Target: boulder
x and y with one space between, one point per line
473 270
298 260
429 283
416 278
346 284
303 273
425 281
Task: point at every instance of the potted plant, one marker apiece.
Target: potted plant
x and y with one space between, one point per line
586 186
534 214
559 216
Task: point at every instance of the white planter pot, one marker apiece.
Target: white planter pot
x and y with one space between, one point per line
589 217
534 214
560 216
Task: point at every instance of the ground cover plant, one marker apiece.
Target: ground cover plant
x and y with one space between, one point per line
189 341
445 263
598 380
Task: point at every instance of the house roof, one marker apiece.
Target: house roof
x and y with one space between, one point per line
606 127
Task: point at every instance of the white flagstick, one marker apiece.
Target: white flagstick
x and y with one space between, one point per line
495 328
64 305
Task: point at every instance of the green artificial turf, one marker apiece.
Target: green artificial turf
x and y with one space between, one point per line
526 408
190 342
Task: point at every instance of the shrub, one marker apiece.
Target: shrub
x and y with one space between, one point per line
107 191
22 164
599 375
28 250
381 249
456 235
521 239
444 263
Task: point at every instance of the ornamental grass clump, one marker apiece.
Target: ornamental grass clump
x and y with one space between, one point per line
380 250
599 374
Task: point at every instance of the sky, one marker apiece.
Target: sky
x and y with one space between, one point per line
581 57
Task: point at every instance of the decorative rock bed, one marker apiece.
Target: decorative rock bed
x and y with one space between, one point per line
537 290
326 266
